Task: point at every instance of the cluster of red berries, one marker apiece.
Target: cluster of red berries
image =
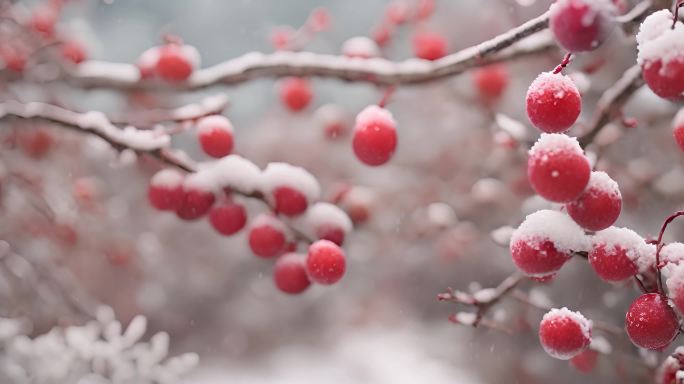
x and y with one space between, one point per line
173 62
661 54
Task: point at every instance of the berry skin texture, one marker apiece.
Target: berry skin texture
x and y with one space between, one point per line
538 258
289 201
166 190
325 263
215 136
650 322
581 25
491 81
612 263
266 240
557 168
290 275
665 81
429 46
228 218
295 93
173 63
375 136
553 102
195 203
564 334
599 205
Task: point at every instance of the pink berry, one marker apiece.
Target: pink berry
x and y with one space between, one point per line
429 46
325 263
289 201
228 218
678 129
615 253
599 205
267 237
375 136
491 81
166 190
564 334
650 322
295 93
176 62
282 37
553 102
319 19
382 34
73 51
215 135
581 25
667 372
290 275
557 168
43 21
198 198
544 242
661 54
586 361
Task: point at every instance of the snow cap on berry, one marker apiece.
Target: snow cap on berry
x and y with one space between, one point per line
556 142
167 178
286 175
562 342
374 114
554 226
602 182
584 323
237 173
361 47
209 123
657 41
636 248
322 215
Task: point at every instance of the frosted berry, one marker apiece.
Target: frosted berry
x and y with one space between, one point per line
267 236
73 51
295 93
678 129
289 201
581 25
166 190
360 47
147 62
544 242
615 253
176 62
667 372
36 143
599 205
557 168
325 263
586 361
290 275
491 81
553 102
564 334
289 189
228 217
13 58
661 54
215 135
198 198
282 37
675 285
329 222
650 322
375 136
333 120
429 45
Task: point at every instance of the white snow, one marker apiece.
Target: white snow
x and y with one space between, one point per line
636 248
678 120
674 280
328 114
601 182
485 295
555 83
514 128
374 114
265 219
441 214
502 235
323 215
553 226
657 41
201 181
361 47
465 318
214 122
286 175
235 172
564 312
169 178
555 142
192 54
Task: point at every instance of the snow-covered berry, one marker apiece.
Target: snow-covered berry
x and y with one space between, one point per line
73 51
491 81
564 334
326 262
618 254
545 241
375 136
675 285
215 135
581 25
267 236
332 119
557 168
228 217
165 192
661 54
553 102
198 196
43 20
289 273
650 322
667 372
36 143
360 47
290 189
678 128
429 45
599 205
327 221
176 62
295 93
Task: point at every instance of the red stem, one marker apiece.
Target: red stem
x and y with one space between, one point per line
386 96
659 242
565 62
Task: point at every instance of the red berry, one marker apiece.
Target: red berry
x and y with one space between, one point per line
267 236
36 143
397 12
289 189
295 93
544 242
557 168
581 25
43 21
491 81
375 136
166 190
667 372
553 102
675 284
599 205
73 51
289 201
586 361
198 197
678 129
290 275
333 120
429 46
176 62
564 334
228 218
215 135
650 322
661 55
616 253
14 58
327 221
325 263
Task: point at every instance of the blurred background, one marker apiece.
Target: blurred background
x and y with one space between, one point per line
457 176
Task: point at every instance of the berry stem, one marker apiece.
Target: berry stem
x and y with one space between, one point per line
659 246
389 91
677 5
564 63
